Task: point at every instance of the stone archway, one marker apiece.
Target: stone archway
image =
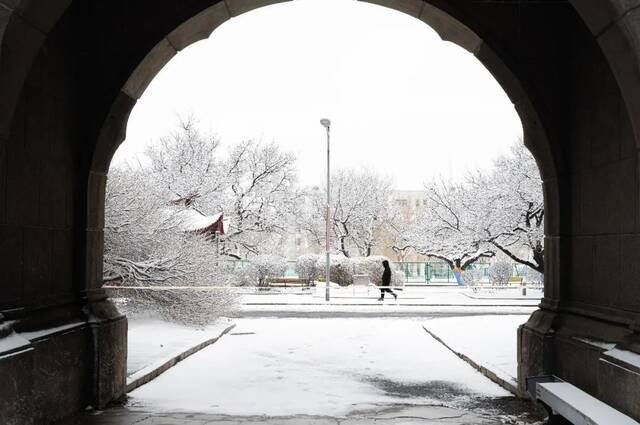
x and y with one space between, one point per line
71 71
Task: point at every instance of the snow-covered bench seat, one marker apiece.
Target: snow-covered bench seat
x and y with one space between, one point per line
578 407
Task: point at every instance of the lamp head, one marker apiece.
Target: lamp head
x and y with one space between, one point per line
325 122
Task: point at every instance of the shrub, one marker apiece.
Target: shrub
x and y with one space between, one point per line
341 270
307 267
194 294
262 268
533 277
373 267
471 276
193 306
500 272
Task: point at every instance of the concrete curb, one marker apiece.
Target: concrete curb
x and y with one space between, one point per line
278 304
509 386
151 372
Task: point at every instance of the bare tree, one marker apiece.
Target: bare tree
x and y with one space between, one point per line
252 184
447 229
512 196
361 207
502 210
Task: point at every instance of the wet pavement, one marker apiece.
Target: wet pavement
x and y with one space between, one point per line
399 415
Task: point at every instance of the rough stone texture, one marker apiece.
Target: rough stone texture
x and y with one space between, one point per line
70 72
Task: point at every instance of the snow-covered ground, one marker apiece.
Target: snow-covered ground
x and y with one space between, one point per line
151 340
489 341
317 367
411 302
409 295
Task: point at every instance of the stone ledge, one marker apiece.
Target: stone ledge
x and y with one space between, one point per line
511 386
151 372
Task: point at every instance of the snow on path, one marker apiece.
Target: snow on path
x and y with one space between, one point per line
151 340
316 367
427 296
490 341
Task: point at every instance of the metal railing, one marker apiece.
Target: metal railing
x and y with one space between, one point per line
426 272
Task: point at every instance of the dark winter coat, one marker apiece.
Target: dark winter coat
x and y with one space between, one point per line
386 275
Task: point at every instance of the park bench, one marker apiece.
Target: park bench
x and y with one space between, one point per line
568 404
516 280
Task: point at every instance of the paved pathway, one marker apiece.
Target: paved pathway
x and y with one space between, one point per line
319 371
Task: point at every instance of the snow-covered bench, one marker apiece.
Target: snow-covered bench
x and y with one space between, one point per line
576 406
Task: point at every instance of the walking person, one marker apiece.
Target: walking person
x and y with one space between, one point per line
386 281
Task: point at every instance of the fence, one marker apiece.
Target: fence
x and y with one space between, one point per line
414 271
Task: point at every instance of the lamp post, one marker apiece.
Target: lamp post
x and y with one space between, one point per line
326 123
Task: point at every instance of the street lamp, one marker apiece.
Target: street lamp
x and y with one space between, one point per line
326 123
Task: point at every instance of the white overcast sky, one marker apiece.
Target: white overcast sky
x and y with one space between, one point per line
401 100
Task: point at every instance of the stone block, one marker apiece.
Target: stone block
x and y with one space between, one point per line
95 246
410 7
553 264
552 206
37 270
621 45
112 133
36 112
199 27
53 195
582 270
42 16
62 273
155 60
599 15
627 296
575 203
574 367
16 404
109 333
607 269
11 264
10 4
23 191
238 7
535 346
95 200
450 29
604 210
3 181
618 387
21 43
62 365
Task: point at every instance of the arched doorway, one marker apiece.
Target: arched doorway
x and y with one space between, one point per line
70 73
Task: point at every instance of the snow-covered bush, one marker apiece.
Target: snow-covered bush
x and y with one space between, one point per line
533 277
500 272
196 298
472 276
372 266
262 268
341 269
307 267
190 306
